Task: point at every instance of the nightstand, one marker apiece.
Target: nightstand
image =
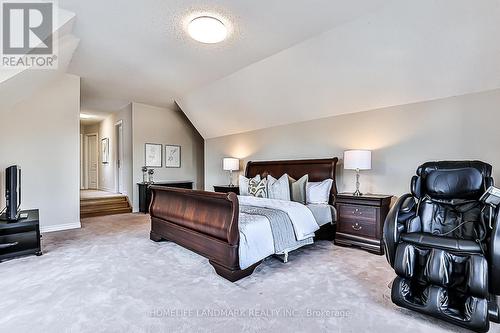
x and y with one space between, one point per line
361 220
227 189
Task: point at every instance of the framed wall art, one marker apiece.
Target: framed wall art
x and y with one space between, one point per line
172 156
153 155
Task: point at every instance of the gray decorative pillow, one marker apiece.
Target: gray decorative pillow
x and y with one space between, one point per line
278 189
257 188
244 182
298 189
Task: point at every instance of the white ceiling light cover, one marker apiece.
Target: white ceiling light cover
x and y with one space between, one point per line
207 29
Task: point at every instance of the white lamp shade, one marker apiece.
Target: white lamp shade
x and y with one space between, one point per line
230 164
358 159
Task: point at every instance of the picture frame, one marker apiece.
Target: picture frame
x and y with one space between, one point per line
153 157
105 150
172 156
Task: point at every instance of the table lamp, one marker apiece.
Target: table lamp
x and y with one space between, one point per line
357 160
230 164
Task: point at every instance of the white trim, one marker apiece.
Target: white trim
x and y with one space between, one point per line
82 167
60 227
118 167
98 148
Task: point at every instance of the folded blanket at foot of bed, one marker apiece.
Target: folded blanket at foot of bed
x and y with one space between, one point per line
281 227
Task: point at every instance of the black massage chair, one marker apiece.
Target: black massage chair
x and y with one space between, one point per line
444 244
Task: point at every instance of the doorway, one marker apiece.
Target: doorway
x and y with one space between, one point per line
119 157
92 161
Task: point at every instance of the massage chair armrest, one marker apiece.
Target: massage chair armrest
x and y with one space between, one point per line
494 254
404 209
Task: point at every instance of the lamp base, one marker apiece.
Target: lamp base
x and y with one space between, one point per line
357 193
231 178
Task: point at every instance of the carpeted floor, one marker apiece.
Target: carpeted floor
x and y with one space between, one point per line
109 277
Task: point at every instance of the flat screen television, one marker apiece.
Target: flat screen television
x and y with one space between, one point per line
12 192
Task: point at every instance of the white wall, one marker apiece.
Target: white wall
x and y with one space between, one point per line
89 129
164 126
107 171
41 134
401 137
125 115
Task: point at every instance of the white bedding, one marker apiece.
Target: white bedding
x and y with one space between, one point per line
323 213
256 239
302 218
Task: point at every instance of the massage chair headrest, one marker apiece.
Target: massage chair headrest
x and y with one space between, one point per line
452 180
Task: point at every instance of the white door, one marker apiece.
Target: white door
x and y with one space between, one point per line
93 160
119 157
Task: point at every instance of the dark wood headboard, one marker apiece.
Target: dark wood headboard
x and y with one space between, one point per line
317 169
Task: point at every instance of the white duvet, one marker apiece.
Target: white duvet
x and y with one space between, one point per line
302 218
256 239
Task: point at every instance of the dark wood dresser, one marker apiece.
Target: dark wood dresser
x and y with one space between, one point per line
145 192
20 238
227 189
361 220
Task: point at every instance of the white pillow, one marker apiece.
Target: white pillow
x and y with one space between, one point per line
319 192
278 189
244 181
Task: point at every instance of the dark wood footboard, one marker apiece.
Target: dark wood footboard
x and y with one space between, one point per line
204 222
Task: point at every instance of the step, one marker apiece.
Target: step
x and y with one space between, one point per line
90 207
107 212
102 209
99 200
103 203
106 205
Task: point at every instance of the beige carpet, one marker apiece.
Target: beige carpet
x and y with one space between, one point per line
109 277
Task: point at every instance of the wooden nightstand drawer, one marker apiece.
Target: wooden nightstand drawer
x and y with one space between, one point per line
351 212
358 227
361 220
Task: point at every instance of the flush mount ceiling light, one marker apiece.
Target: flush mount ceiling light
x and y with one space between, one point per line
86 116
207 29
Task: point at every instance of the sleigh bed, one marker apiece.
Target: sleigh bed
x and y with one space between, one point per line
208 222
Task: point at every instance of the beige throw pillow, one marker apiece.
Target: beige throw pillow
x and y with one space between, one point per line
298 189
278 189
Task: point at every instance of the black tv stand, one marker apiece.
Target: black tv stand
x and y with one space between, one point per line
20 237
4 218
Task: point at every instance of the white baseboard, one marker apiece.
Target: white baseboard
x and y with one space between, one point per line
60 227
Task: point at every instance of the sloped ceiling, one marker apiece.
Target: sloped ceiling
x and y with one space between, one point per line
19 84
404 52
138 51
286 60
